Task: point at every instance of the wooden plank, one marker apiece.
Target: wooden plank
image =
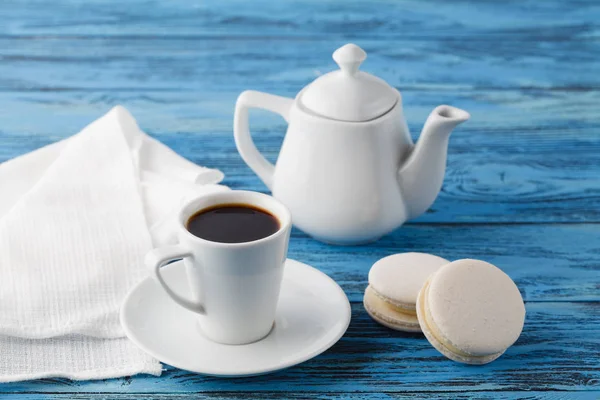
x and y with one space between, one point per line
517 177
500 118
548 262
503 165
205 63
558 350
467 395
157 44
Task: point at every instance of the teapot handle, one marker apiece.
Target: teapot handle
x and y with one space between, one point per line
241 132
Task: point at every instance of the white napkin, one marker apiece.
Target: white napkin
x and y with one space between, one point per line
76 219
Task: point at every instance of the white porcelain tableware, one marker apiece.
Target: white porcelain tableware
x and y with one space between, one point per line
313 313
234 286
348 170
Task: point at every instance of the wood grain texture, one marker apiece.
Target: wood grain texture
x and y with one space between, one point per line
522 189
159 44
548 262
558 350
466 395
503 165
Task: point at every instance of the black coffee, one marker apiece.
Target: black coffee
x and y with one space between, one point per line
232 223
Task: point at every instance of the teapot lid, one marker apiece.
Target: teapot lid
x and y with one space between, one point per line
348 94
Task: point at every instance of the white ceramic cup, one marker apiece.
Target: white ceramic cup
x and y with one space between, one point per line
234 286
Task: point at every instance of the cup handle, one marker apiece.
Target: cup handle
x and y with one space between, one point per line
241 130
157 258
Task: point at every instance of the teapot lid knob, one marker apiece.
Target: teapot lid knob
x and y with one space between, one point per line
348 94
349 57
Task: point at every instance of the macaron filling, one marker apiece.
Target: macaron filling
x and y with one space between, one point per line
386 314
400 308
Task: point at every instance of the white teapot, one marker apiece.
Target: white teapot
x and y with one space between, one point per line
348 170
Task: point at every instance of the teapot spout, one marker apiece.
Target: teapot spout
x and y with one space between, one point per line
422 174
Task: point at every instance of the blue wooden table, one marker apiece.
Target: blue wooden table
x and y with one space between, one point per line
522 188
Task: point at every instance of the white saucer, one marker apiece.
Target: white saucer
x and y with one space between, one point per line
313 313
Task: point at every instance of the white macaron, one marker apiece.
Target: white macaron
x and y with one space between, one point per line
394 283
471 311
